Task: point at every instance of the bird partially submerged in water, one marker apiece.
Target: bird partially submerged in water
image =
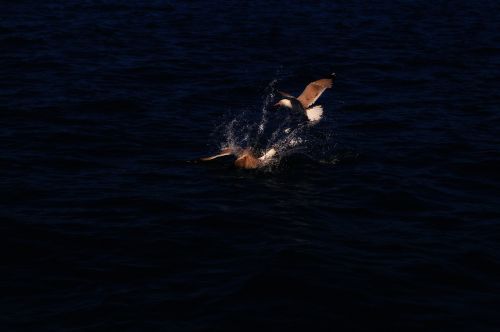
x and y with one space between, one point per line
308 97
245 158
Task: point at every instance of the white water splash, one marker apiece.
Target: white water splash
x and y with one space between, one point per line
265 106
258 131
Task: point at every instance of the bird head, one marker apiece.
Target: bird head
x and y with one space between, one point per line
283 103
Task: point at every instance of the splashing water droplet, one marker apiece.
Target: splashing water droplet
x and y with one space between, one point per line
262 132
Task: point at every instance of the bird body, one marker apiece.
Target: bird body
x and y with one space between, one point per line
307 98
303 104
245 158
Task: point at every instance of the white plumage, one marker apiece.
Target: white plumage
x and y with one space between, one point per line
314 113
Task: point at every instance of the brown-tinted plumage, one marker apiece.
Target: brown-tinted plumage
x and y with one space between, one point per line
307 98
245 158
222 153
313 91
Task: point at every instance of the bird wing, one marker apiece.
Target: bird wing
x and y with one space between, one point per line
223 152
313 91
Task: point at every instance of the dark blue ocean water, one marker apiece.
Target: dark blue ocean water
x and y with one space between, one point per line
388 221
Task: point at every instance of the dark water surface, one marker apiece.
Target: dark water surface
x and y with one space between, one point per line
390 222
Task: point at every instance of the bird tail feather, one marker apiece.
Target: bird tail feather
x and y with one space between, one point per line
314 113
269 154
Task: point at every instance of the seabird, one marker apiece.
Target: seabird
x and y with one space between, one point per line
308 97
245 158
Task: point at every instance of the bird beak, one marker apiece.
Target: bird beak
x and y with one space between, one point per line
276 105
